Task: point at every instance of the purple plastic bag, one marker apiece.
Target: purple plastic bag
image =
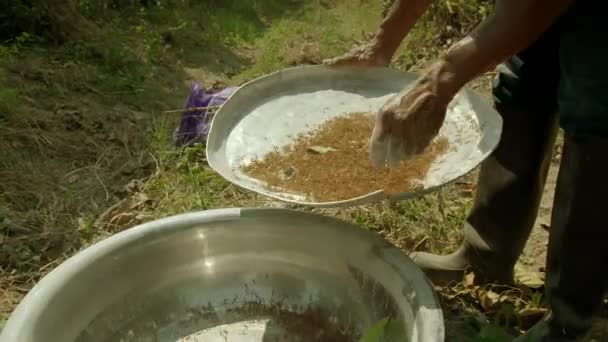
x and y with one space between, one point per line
194 125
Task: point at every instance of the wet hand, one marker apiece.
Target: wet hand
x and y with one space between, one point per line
408 123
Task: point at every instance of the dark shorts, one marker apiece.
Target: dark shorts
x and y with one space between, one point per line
566 70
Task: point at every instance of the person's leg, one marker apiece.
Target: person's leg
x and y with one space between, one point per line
512 179
577 257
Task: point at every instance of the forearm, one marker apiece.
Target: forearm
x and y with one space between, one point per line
398 22
512 27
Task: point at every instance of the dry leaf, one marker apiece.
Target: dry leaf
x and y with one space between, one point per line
320 149
469 279
530 316
489 300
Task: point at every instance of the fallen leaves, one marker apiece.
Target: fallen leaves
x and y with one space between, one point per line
518 307
490 301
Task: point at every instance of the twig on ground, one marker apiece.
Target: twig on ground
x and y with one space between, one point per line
49 266
98 92
423 240
96 173
193 109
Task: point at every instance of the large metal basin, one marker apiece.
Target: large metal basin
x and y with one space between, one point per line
267 113
232 275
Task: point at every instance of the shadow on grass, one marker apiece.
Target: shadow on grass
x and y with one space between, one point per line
217 36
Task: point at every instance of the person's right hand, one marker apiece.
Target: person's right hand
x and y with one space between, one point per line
407 123
367 55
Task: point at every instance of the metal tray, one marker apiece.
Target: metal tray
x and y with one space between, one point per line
268 112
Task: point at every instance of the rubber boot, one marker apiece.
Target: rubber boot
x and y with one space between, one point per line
510 187
511 180
577 255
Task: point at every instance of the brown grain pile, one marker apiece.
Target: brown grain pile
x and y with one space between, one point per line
332 163
312 324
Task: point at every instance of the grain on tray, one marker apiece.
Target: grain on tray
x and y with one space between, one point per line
332 163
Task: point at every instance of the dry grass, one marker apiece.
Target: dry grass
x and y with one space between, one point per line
67 153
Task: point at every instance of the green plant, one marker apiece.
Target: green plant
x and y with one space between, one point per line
9 97
492 333
385 330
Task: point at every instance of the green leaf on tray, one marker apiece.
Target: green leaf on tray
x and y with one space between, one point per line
385 330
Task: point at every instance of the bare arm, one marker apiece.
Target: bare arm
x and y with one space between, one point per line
398 22
408 123
395 26
512 27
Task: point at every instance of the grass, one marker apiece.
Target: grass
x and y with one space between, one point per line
87 152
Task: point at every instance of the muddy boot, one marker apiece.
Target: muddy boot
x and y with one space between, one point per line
577 256
510 187
512 179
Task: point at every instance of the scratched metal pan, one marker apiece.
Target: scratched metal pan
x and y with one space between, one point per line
266 113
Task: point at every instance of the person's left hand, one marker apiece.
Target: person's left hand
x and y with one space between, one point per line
408 122
368 55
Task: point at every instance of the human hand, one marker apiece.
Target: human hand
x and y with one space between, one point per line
407 123
368 55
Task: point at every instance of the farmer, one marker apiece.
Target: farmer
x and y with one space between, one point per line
555 54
